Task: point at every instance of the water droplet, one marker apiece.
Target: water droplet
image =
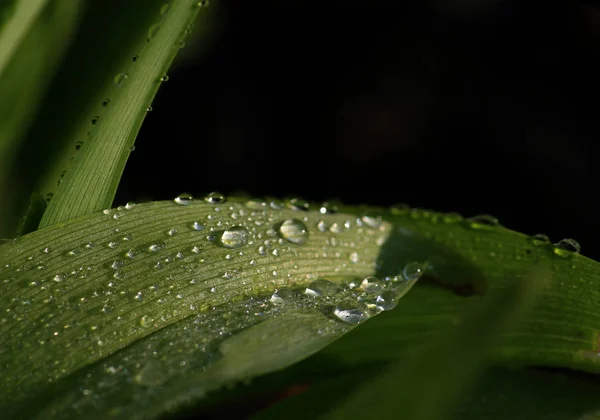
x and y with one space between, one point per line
129 205
78 145
165 78
386 300
374 222
323 226
202 3
298 204
172 232
322 287
354 257
119 79
105 102
156 247
184 199
414 270
452 217
59 277
483 221
134 58
256 204
95 120
234 237
154 373
198 226
283 296
215 198
567 247
350 313
153 31
293 230
149 109
328 208
540 239
371 284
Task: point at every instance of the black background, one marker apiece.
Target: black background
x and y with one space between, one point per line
443 105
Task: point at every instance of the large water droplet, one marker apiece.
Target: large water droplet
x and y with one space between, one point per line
387 300
293 230
567 247
215 198
184 199
483 221
234 237
322 287
350 313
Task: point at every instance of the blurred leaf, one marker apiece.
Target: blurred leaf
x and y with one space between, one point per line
32 42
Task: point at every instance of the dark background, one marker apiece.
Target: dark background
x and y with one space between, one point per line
468 106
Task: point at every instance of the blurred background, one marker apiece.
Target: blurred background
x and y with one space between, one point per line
475 106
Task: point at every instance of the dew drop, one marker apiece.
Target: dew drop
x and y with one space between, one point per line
293 230
78 145
350 313
59 277
95 120
328 208
567 247
283 296
129 205
298 204
483 221
374 222
152 374
256 204
165 78
354 257
386 300
105 102
234 237
119 79
322 287
371 284
413 271
202 3
184 199
156 247
153 31
540 239
215 198
172 232
323 226
198 226
149 109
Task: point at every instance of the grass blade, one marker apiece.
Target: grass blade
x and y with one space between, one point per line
91 183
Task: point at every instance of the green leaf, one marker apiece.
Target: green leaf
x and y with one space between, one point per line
126 93
153 314
128 296
32 42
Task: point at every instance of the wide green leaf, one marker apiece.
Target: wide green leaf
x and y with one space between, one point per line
121 292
